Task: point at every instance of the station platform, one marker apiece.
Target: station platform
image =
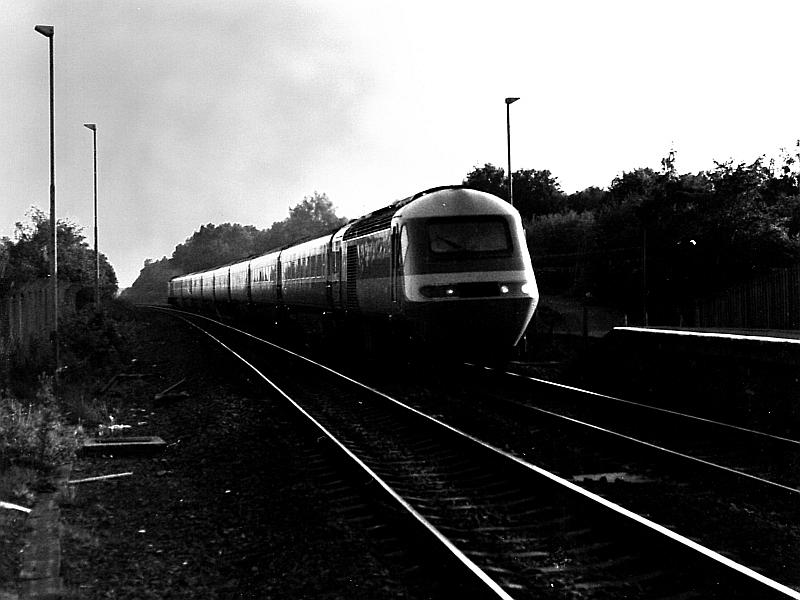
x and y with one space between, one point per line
768 335
744 376
757 345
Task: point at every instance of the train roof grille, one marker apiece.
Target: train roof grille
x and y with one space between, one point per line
439 189
382 218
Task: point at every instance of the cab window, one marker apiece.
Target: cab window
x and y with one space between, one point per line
468 236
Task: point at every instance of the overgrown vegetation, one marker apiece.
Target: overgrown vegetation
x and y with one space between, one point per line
91 340
25 258
40 429
34 433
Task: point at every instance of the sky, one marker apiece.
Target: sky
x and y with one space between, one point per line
215 112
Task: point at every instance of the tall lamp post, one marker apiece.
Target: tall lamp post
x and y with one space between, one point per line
509 102
48 32
93 127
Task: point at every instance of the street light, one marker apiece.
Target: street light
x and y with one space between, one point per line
93 127
48 31
509 102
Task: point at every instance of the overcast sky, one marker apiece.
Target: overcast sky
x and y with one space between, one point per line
213 112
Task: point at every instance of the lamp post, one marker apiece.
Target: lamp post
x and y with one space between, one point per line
509 102
48 31
93 127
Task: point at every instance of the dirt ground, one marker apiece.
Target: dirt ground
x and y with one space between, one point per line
232 508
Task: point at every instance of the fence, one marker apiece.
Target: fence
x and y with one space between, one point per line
769 302
26 314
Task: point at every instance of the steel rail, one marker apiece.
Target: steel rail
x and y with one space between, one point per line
628 438
722 424
634 440
490 583
616 508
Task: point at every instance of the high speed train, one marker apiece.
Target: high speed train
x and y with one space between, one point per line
447 268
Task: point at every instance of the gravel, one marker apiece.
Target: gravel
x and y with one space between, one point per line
233 508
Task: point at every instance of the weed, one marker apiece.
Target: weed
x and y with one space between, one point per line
34 434
16 485
81 407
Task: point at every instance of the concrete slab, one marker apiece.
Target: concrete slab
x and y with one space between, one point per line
122 445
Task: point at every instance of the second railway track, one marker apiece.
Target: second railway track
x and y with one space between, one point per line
523 531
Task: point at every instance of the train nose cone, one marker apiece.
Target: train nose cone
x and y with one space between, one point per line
480 329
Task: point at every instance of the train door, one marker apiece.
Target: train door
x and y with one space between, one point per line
351 286
395 270
331 275
279 279
338 275
249 285
337 265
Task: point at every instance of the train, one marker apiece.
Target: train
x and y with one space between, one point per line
447 269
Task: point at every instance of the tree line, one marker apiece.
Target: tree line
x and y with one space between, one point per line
24 257
654 240
658 240
213 245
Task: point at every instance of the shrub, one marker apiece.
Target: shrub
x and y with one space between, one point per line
33 433
91 340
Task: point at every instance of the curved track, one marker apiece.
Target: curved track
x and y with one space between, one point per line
633 460
519 529
770 459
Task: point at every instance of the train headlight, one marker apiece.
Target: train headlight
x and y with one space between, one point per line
526 289
438 291
504 289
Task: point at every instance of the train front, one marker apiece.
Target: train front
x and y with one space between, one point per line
468 287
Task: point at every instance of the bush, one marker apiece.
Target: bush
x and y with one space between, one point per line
91 340
34 434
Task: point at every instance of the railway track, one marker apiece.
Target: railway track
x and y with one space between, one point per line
693 491
772 459
516 529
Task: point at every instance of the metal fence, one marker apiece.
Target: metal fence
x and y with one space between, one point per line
769 302
26 314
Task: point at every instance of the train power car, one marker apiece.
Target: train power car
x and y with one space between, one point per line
447 268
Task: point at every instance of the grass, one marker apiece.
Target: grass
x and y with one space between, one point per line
33 433
41 430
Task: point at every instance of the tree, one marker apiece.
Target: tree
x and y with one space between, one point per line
214 245
535 192
751 214
489 179
639 183
313 216
27 257
151 285
588 199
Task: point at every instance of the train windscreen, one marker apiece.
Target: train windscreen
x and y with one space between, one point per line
468 236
